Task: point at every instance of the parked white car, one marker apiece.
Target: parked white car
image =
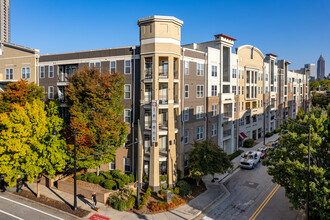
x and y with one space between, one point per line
250 159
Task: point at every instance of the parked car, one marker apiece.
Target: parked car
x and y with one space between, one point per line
263 151
272 145
250 159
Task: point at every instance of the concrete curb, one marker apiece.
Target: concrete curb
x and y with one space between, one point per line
43 205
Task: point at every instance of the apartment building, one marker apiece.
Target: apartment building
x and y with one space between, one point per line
177 94
5 20
17 62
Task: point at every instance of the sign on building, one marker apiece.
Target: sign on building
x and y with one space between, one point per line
154 121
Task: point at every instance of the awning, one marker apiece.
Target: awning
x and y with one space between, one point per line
242 135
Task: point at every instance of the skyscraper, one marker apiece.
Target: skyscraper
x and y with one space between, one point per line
5 20
321 67
311 68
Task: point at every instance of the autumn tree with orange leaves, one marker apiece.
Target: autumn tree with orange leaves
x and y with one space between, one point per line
95 108
19 92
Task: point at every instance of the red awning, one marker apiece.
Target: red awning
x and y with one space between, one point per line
243 135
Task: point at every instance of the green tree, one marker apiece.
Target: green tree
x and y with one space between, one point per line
19 92
319 99
27 144
96 108
207 158
288 164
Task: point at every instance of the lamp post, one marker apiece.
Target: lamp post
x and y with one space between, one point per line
54 133
75 172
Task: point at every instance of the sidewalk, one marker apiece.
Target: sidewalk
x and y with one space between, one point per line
215 193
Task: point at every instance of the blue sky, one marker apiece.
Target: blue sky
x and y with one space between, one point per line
298 31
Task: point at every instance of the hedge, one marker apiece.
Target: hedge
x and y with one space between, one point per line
248 143
120 183
185 188
269 134
110 184
235 154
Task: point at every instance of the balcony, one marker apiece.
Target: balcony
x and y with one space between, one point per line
227 133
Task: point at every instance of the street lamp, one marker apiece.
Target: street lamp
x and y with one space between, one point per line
54 133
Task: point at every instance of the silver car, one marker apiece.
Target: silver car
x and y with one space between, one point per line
250 159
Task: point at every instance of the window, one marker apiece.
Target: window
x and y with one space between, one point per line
186 114
258 90
127 115
185 159
95 65
200 69
239 90
200 133
199 112
200 91
112 165
214 129
127 66
186 136
242 74
186 91
234 73
233 90
112 66
242 106
258 76
26 73
242 90
42 72
186 67
127 90
214 91
214 110
266 77
9 74
51 72
50 92
127 162
258 103
214 70
235 107
239 73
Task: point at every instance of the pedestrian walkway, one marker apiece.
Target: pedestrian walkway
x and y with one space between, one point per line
215 192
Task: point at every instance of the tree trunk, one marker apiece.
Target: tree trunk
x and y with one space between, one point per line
38 193
197 181
98 171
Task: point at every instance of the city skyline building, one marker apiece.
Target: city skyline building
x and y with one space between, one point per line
5 20
321 67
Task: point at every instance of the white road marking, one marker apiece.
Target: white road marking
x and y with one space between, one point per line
14 216
207 218
32 208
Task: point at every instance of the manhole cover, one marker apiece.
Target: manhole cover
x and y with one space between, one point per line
250 184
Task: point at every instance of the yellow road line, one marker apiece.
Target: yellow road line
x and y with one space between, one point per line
263 204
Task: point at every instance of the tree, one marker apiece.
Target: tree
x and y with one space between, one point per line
19 92
95 101
27 145
207 158
319 99
288 164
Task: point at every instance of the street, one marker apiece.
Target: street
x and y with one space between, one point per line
12 208
252 196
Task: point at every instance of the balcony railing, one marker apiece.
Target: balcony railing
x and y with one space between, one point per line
163 74
227 133
148 73
163 124
227 114
163 101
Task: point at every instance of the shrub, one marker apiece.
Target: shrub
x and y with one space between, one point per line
91 178
120 205
107 175
131 178
110 184
269 134
116 174
177 190
148 193
161 192
143 200
235 154
145 178
98 179
79 177
163 178
131 201
125 178
179 174
185 188
277 130
140 207
90 174
84 177
248 143
120 183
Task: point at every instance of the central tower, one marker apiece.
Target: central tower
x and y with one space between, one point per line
160 38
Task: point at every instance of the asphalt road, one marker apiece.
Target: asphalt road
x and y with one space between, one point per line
13 208
252 196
